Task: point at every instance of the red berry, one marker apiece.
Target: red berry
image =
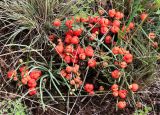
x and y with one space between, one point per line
89 51
131 25
128 58
69 69
123 64
77 32
82 56
115 93
56 23
67 59
23 68
116 23
114 29
32 91
152 35
108 39
114 87
32 83
119 15
68 39
69 49
122 93
104 30
121 104
59 48
24 80
92 63
11 73
143 16
63 73
134 87
112 13
115 74
103 22
35 74
88 87
95 29
69 23
74 40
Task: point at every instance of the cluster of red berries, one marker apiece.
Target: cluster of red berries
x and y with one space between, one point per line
70 50
123 93
26 78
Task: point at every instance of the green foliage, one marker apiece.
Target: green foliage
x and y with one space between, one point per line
144 111
11 107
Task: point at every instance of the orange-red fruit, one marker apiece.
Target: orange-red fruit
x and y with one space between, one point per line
68 39
116 23
11 73
59 48
79 50
131 25
152 35
114 87
123 64
119 15
115 93
69 69
95 29
24 80
103 22
72 82
88 87
35 74
122 93
69 49
74 59
56 23
15 78
92 63
115 74
67 59
108 39
89 51
63 73
112 13
77 32
75 68
68 76
134 87
74 40
115 50
128 58
32 91
32 83
104 30
121 104
69 23
91 93
114 29
23 68
82 56
143 16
